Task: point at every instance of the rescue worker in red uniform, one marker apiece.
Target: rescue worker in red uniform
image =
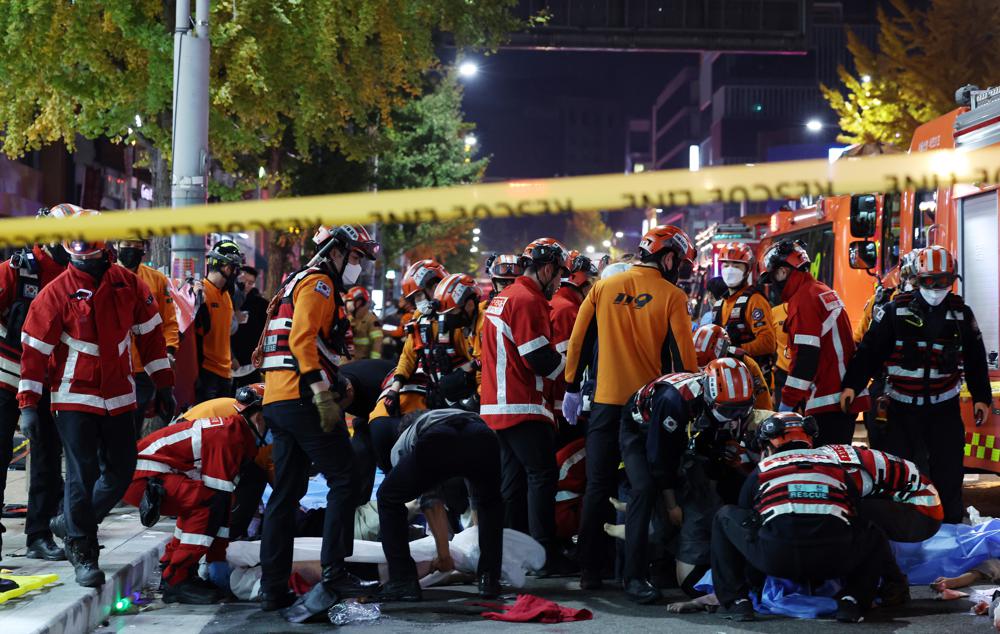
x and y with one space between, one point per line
671 467
76 340
801 516
745 312
305 334
518 355
215 323
565 306
503 270
637 321
191 469
21 278
130 254
928 342
819 340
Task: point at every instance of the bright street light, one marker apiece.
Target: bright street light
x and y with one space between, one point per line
606 244
590 248
390 275
468 70
475 238
475 231
474 249
865 79
471 140
814 125
619 234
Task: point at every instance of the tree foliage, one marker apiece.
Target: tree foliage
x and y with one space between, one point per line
923 56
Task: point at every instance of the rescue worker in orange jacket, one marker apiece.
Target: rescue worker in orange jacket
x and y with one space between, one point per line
215 323
779 313
191 470
130 254
745 312
364 324
565 305
518 356
820 342
76 340
712 342
21 278
639 322
306 332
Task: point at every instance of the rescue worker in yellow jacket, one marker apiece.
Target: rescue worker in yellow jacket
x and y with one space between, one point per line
745 312
364 324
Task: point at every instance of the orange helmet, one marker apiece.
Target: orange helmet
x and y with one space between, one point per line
710 342
421 276
784 253
581 269
64 210
728 389
81 249
737 252
249 397
504 267
544 251
358 295
347 238
454 291
782 428
666 237
936 263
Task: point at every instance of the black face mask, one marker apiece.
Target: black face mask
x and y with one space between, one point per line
59 254
96 267
130 257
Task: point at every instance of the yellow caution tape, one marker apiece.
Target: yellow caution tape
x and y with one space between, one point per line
730 184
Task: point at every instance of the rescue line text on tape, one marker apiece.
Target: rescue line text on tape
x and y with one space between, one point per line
729 184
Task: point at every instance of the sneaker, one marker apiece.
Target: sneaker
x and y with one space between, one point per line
848 610
738 610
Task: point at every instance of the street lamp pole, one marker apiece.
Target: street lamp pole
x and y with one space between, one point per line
190 130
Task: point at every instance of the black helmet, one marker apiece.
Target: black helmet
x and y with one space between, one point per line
225 252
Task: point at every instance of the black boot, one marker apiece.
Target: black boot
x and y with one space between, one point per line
191 592
277 601
641 591
42 547
406 590
557 564
338 580
82 553
489 585
58 526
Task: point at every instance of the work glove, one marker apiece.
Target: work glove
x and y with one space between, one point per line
29 422
391 402
572 403
330 414
166 404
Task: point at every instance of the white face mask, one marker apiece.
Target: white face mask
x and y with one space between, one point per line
424 306
934 296
732 276
351 274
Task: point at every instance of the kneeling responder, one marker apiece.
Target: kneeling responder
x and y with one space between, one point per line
432 447
745 312
639 322
300 348
820 343
190 469
798 518
928 341
715 405
76 337
712 342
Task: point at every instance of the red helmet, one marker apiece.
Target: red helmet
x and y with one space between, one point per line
581 269
934 261
249 397
358 295
421 276
80 249
785 253
737 252
454 291
347 238
544 251
782 428
504 267
710 342
728 389
666 237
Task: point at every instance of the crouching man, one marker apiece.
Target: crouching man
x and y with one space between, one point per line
432 447
190 469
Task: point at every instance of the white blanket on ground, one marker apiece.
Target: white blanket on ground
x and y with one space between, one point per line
521 553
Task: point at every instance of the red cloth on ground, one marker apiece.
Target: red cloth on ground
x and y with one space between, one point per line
298 584
529 608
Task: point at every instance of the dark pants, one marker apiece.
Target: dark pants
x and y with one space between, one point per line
835 428
298 443
145 391
246 499
933 437
364 458
742 555
780 376
643 495
530 476
45 484
470 451
603 458
210 385
100 461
